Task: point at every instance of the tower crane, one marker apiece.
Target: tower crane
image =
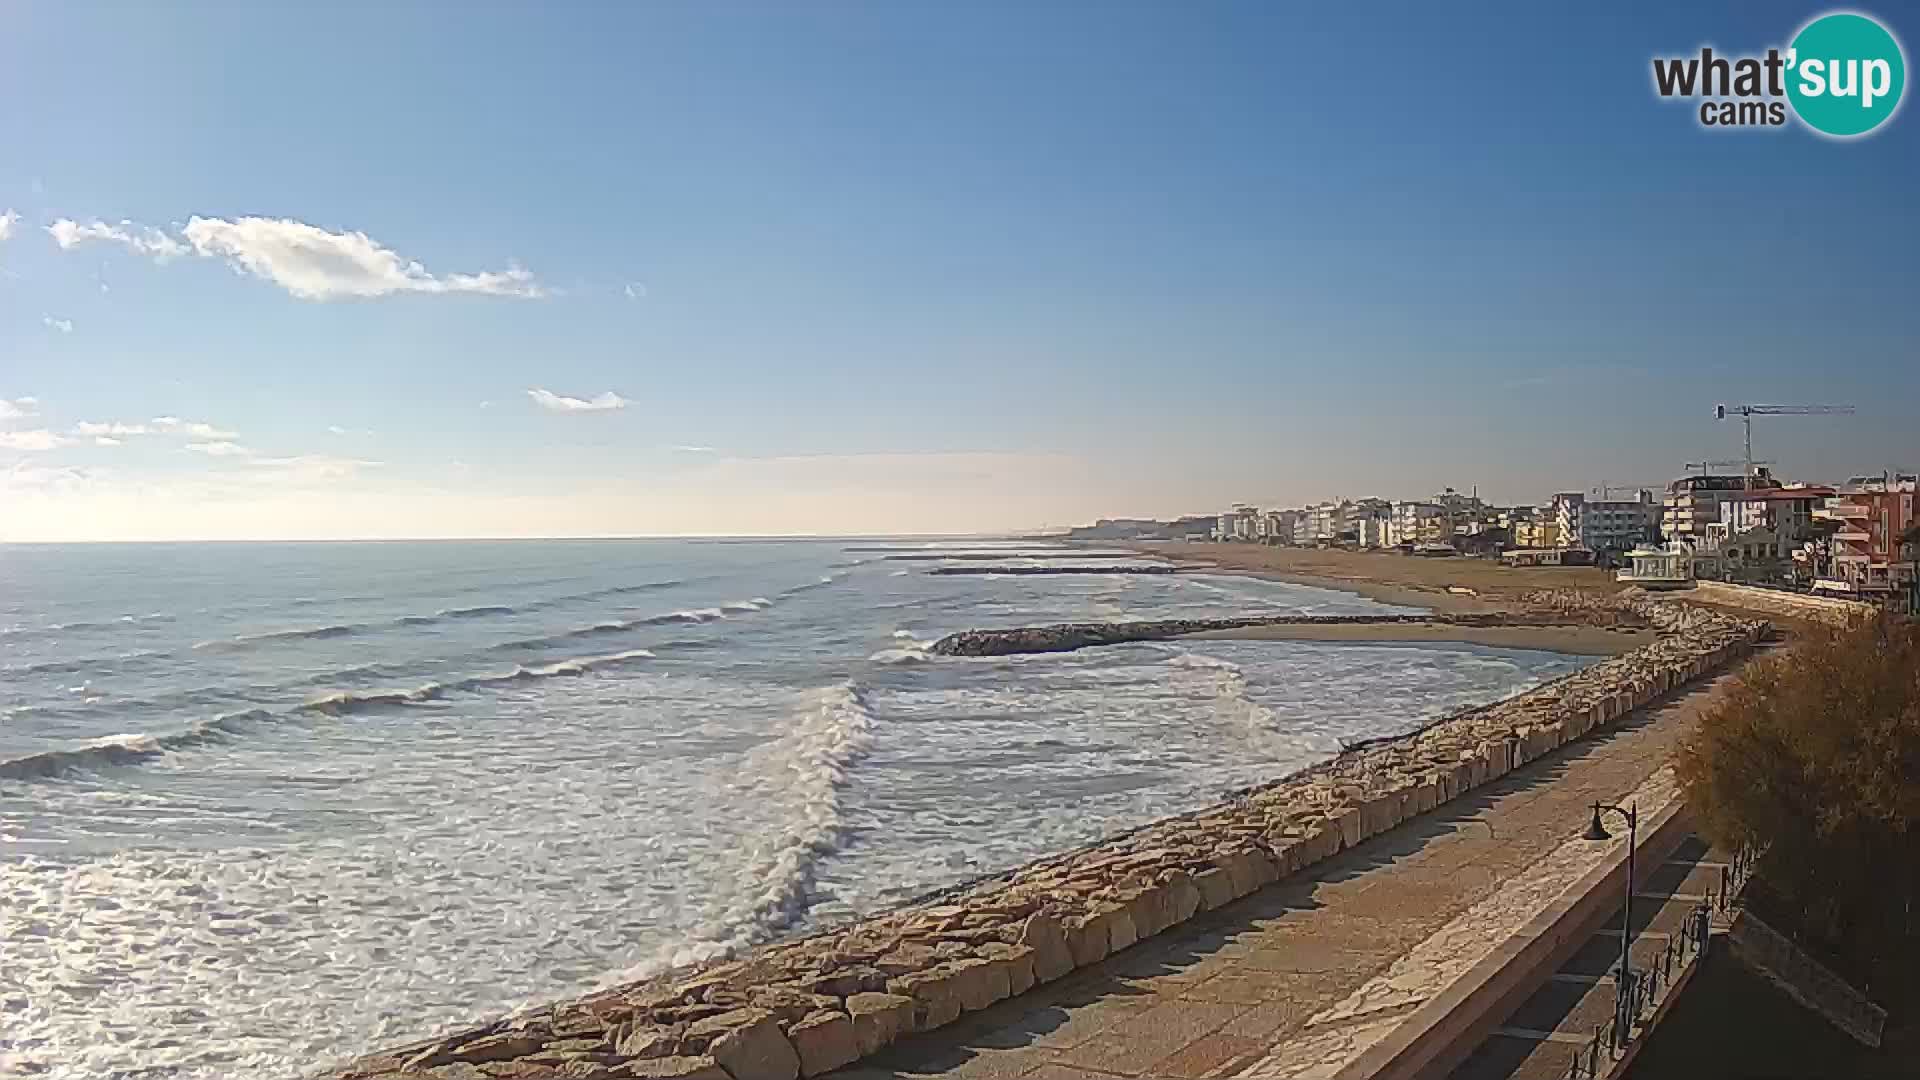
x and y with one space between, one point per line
1703 466
1746 413
1605 491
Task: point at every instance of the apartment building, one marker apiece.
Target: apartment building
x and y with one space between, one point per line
1870 552
1604 525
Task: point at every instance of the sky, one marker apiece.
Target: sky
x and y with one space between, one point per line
359 270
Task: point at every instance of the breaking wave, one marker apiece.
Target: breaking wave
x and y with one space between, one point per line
133 748
621 626
89 665
83 624
805 771
478 611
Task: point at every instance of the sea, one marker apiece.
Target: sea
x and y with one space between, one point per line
264 807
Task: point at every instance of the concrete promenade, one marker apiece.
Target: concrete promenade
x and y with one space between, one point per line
1303 976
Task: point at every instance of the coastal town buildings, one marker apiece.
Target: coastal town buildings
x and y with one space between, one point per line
1417 523
1693 502
1861 538
1536 530
1874 546
1604 525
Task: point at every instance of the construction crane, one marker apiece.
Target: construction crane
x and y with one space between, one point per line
1605 491
1703 466
1746 413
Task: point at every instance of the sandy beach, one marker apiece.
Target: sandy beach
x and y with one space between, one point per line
1390 577
1575 640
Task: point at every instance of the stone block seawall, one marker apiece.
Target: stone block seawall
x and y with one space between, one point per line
807 1006
1777 602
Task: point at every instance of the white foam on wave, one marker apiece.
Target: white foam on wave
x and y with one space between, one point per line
804 771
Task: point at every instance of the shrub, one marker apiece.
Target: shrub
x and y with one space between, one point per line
1814 754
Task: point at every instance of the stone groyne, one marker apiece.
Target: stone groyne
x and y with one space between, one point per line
1031 571
1064 637
808 1006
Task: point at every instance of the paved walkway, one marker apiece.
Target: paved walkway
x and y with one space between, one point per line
1261 984
1573 1007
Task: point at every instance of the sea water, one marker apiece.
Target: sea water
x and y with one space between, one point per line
266 806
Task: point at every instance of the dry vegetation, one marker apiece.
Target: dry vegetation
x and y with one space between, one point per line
1815 755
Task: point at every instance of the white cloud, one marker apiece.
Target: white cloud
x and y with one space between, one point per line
19 408
103 440
696 449
603 402
635 290
192 428
220 449
7 221
65 326
112 428
336 429
141 239
35 441
314 264
315 466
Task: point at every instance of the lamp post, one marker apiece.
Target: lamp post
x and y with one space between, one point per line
1623 986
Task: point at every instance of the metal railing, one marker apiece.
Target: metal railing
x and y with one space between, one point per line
1641 991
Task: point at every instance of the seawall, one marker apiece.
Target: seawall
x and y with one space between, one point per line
1781 604
808 1006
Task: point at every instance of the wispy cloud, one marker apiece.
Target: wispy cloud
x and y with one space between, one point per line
35 441
312 263
19 408
110 428
696 450
220 449
315 466
635 290
309 262
64 326
602 402
193 428
141 239
7 221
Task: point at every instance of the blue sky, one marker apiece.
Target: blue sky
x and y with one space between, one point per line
907 266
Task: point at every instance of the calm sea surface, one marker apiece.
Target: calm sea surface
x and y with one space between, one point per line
263 806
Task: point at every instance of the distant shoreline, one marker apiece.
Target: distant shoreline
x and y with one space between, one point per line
1384 578
1389 578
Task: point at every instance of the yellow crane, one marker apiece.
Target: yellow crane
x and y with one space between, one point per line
1746 413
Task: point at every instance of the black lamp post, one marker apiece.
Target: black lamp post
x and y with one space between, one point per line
1623 987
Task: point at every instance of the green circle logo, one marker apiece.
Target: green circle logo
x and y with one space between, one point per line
1845 74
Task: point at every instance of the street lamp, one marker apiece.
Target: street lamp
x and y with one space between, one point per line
1622 988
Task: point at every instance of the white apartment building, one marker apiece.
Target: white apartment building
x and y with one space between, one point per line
1604 524
1693 503
1419 523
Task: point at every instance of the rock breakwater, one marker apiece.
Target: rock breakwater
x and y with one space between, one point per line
1030 571
808 1006
1064 637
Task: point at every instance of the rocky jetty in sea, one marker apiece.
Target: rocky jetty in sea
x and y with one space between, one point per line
1091 568
808 1006
1064 637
